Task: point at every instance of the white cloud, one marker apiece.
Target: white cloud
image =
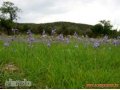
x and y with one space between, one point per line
80 11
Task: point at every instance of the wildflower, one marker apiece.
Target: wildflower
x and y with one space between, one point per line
43 33
105 39
75 34
61 37
115 42
30 37
53 32
96 44
67 40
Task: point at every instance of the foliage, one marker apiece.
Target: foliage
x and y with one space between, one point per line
8 8
104 28
8 14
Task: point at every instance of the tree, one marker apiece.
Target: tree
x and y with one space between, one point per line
107 27
97 29
9 9
8 14
102 28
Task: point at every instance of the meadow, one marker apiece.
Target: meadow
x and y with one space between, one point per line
65 62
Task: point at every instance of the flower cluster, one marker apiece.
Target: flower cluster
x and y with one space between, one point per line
30 37
96 44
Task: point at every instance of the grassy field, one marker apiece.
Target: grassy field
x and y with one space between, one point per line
61 65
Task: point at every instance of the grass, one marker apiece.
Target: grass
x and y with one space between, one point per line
61 65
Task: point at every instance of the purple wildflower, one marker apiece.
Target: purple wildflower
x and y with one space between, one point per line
105 39
61 37
53 31
30 37
75 34
96 44
115 42
67 40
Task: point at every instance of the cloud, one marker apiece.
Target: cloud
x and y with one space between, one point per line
80 11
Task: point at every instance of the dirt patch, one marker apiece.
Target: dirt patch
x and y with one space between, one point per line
10 67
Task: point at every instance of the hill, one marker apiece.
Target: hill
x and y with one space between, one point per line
67 28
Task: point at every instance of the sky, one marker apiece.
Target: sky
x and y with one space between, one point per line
78 11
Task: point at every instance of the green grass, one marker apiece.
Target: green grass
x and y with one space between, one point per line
61 65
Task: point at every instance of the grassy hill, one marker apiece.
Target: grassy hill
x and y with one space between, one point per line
61 27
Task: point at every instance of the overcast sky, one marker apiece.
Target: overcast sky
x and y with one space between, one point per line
79 11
